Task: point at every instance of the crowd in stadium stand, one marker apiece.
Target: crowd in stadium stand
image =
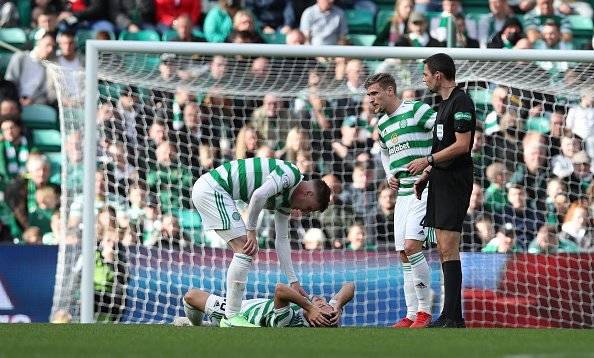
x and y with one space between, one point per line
533 161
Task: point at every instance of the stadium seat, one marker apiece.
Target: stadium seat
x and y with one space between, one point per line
144 35
109 90
24 10
14 36
360 22
47 140
190 222
581 26
168 35
4 60
55 159
362 40
480 96
383 17
274 38
39 116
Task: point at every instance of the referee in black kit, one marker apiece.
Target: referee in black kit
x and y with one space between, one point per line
449 172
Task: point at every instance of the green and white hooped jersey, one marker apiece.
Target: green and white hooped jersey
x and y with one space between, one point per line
407 134
240 178
261 311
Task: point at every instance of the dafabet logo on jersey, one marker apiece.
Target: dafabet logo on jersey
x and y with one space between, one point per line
400 147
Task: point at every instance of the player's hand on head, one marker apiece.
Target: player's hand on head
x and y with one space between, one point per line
335 317
316 317
394 183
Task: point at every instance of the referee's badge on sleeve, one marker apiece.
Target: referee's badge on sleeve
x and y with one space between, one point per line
439 131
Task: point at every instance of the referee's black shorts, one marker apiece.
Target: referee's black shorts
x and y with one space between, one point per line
448 198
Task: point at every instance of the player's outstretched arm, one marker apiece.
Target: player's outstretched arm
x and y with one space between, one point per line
283 250
285 295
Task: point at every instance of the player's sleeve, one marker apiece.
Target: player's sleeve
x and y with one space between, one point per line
283 246
285 176
424 116
464 115
258 201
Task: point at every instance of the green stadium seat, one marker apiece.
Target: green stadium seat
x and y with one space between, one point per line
110 90
47 140
360 22
190 222
274 38
362 40
55 159
4 60
14 36
382 18
480 96
39 116
581 26
144 35
198 33
168 35
24 10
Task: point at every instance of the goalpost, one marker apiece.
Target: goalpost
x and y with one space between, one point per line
144 280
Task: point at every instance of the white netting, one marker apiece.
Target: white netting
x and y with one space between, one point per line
159 133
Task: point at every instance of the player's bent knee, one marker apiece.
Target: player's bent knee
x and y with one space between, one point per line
412 247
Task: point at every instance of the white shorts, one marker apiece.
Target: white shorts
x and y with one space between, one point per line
217 209
215 307
408 215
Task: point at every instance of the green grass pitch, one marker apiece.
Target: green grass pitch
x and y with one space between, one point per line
75 340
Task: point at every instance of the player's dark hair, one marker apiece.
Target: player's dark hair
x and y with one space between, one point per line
384 80
442 63
322 192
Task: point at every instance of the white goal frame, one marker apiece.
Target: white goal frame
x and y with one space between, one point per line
93 47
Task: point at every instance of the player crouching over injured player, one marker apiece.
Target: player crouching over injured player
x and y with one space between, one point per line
288 308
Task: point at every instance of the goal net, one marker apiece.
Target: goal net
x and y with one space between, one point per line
164 118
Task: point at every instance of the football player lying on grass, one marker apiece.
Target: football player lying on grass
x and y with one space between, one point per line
288 308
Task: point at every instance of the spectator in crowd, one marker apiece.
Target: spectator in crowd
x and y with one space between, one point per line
523 44
557 201
132 15
306 165
297 139
384 217
511 32
504 242
183 96
248 141
273 15
418 35
532 174
312 108
346 151
196 131
577 227
32 236
9 14
14 148
46 22
547 241
493 24
543 14
580 120
10 106
260 69
484 229
499 101
438 26
244 24
581 177
503 144
158 133
355 76
91 14
479 155
561 164
525 219
26 70
295 37
360 193
338 216
172 237
218 23
121 173
397 27
54 237
47 201
170 180
167 11
272 121
552 40
495 195
152 223
324 23
68 59
183 27
137 203
357 239
314 239
218 68
463 39
470 238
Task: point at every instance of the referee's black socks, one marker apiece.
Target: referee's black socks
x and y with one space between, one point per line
452 281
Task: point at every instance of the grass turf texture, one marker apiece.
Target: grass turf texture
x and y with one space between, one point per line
43 340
